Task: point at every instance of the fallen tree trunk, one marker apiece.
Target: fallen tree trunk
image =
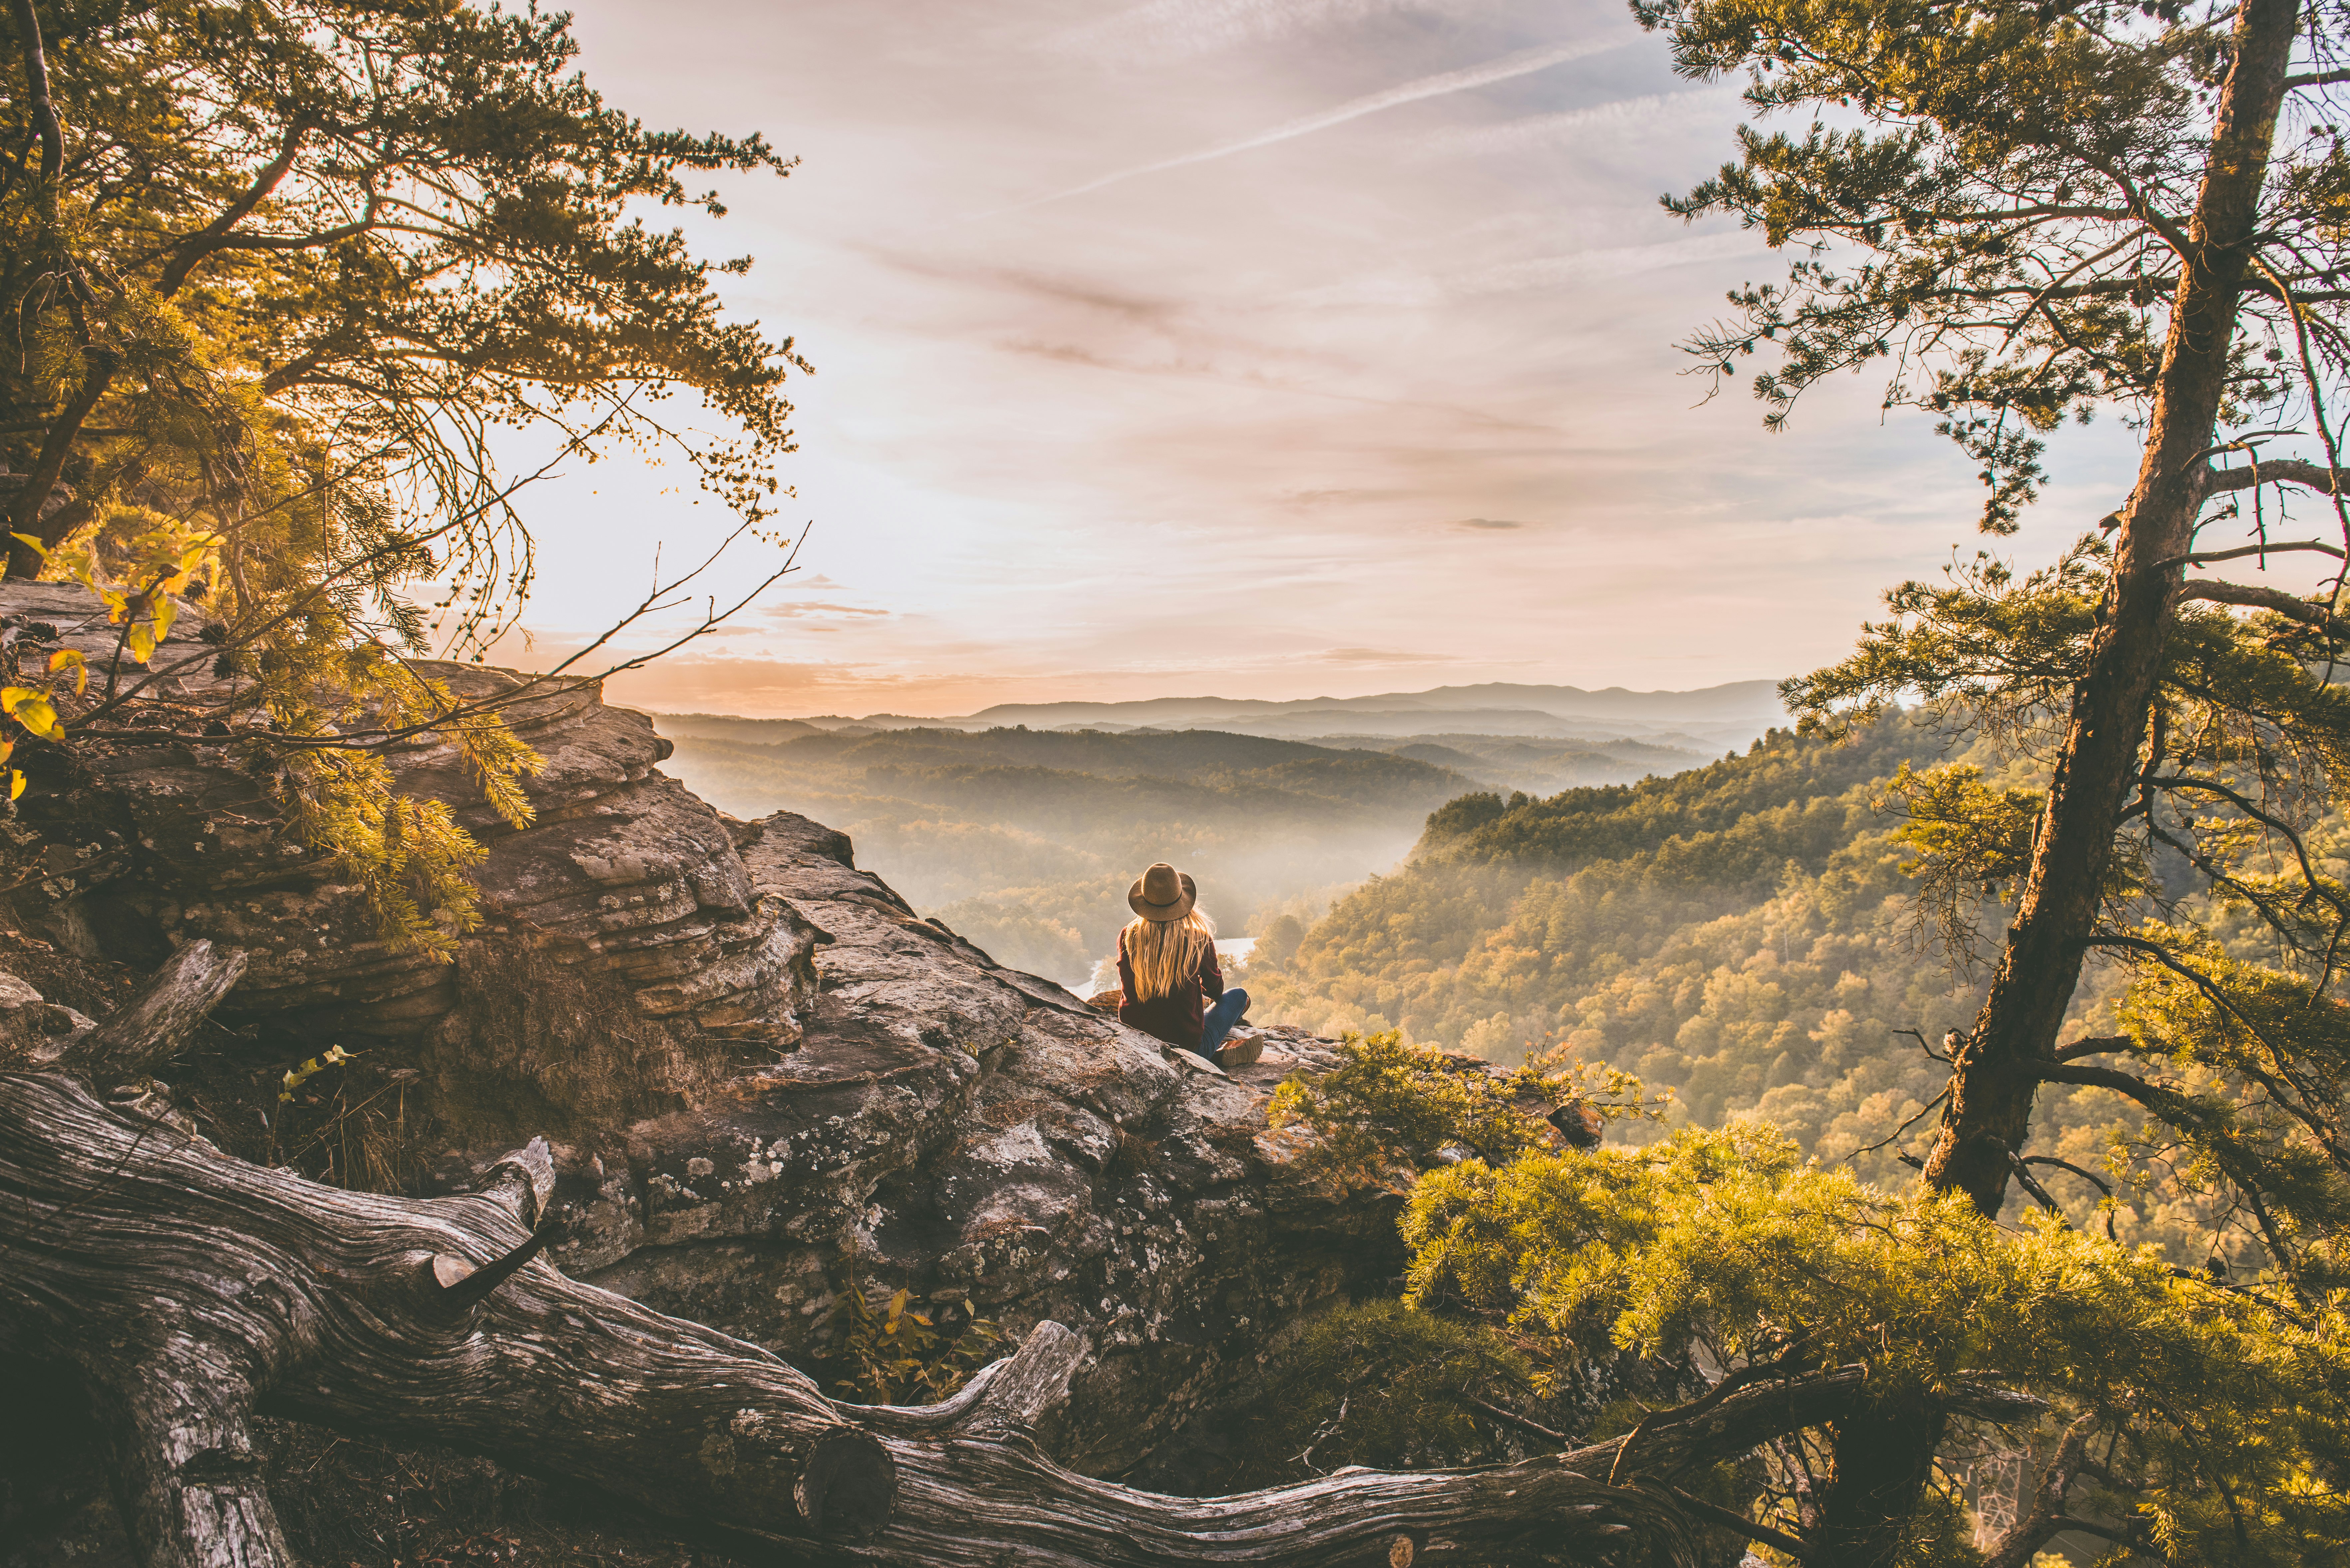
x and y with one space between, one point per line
186 1288
188 1291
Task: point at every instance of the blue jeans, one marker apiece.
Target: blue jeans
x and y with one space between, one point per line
1222 1019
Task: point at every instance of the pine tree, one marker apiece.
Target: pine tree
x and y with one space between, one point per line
2030 212
2037 212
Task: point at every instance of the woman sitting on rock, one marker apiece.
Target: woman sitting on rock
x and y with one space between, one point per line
1167 970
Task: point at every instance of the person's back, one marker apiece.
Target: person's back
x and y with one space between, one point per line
1167 972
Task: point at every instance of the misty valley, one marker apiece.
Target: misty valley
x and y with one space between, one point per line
1023 836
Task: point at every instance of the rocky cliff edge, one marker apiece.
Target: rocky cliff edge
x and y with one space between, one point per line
764 1075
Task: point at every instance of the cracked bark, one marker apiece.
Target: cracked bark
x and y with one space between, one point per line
187 1291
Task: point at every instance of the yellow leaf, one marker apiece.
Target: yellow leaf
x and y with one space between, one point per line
63 657
16 783
36 714
7 749
10 696
31 542
142 643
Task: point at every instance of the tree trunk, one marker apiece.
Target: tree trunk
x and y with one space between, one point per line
1994 1081
187 1291
1995 1075
1883 1459
24 517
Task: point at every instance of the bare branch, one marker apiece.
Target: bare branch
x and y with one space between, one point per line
2251 809
1738 1524
2152 1096
153 1026
2091 1177
1904 1126
2096 1045
2277 599
2205 557
36 96
2278 471
198 245
1510 1417
2046 1518
2031 1184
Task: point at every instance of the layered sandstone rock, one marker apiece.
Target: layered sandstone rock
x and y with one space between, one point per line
977 1134
627 965
760 1069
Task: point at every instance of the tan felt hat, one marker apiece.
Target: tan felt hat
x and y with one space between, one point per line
1163 893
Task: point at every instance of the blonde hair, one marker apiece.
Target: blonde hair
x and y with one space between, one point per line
1165 954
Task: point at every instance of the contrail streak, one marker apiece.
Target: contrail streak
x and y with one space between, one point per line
1524 63
1512 135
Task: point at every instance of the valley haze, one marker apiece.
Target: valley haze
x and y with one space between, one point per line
1021 824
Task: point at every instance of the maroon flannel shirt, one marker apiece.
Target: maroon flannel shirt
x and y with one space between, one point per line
1177 1017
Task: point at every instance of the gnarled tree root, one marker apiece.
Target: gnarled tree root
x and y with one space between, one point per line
188 1291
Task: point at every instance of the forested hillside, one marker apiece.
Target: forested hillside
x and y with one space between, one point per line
1025 841
1536 764
1741 934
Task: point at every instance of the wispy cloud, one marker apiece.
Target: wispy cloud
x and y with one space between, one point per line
1428 290
1487 522
1163 30
1333 497
1383 656
1524 62
1536 132
799 610
1615 261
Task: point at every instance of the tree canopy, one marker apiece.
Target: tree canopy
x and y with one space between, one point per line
287 284
2004 202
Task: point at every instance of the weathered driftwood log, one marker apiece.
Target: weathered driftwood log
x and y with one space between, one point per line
984 1500
156 1025
188 1290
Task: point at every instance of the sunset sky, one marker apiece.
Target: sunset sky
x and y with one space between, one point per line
1266 349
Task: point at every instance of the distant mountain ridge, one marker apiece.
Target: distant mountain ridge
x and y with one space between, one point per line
1734 712
1024 840
1737 701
